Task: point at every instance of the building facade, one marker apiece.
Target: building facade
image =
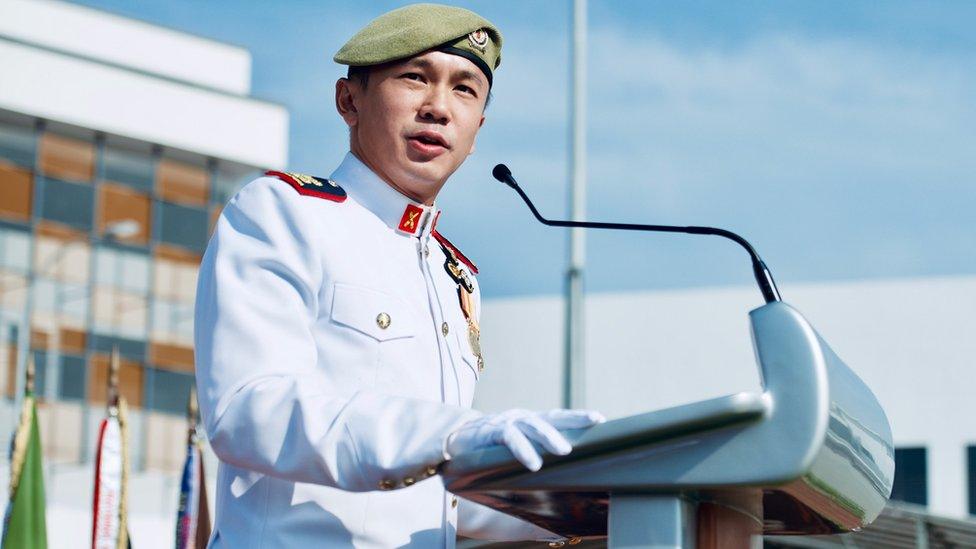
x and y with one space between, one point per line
119 143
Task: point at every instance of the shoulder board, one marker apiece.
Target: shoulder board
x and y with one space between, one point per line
310 185
461 257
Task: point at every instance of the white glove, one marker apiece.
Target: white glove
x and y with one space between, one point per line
514 429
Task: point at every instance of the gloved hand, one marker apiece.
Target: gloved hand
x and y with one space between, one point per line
514 429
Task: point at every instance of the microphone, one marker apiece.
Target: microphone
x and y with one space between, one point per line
764 278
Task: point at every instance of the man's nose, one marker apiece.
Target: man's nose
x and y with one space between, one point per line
435 108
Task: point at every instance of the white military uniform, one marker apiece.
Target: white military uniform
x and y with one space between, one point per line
333 361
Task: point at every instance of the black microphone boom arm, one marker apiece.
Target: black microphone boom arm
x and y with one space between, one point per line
764 278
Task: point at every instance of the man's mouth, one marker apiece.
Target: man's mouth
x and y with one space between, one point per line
428 138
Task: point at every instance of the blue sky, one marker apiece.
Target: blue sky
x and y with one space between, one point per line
838 137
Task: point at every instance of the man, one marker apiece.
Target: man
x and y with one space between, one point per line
337 336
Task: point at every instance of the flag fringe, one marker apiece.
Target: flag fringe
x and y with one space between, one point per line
21 438
123 411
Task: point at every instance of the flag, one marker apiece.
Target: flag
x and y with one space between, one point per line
24 523
111 470
193 516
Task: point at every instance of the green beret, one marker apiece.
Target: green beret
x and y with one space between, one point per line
413 29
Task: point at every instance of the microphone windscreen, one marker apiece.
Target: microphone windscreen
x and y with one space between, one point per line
502 173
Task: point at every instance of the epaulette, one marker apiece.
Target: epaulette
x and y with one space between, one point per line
309 185
457 253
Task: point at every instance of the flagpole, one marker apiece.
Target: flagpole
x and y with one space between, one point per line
574 390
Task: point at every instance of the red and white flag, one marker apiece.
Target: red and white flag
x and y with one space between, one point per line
111 472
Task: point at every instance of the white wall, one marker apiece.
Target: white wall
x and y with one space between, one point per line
60 87
913 341
119 40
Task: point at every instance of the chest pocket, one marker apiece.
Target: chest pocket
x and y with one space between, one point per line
376 314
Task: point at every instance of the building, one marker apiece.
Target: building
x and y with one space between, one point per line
119 143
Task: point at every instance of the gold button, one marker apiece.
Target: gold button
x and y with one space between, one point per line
444 328
431 471
454 502
556 543
575 540
383 321
408 481
387 484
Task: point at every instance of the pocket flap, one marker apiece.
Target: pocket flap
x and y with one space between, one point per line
374 313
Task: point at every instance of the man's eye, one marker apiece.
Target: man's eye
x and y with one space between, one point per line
465 89
413 76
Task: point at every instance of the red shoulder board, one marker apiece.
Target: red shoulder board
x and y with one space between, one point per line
311 186
447 244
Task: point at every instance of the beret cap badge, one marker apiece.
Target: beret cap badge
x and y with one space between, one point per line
478 39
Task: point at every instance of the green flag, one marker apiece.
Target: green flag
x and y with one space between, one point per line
24 523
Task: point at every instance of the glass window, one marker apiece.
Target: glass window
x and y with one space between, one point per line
107 265
128 348
184 226
17 144
175 275
120 313
170 391
130 380
120 204
71 384
8 347
126 270
911 482
172 322
45 294
230 180
214 217
135 272
14 250
72 341
72 309
183 183
67 203
63 257
60 304
40 372
67 158
13 290
971 465
16 192
172 357
131 168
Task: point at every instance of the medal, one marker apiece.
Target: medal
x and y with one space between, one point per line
454 269
465 288
474 339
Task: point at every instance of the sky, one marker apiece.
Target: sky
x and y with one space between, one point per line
838 137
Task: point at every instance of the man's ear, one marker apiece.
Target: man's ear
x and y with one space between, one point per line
481 123
345 101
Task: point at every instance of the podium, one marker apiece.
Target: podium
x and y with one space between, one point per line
810 454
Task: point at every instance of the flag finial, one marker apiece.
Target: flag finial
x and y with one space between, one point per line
113 379
192 415
31 373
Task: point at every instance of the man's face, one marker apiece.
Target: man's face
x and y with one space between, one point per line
416 120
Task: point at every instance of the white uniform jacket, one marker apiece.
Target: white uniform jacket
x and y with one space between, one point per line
332 360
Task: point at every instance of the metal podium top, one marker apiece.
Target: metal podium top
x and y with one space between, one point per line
815 444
